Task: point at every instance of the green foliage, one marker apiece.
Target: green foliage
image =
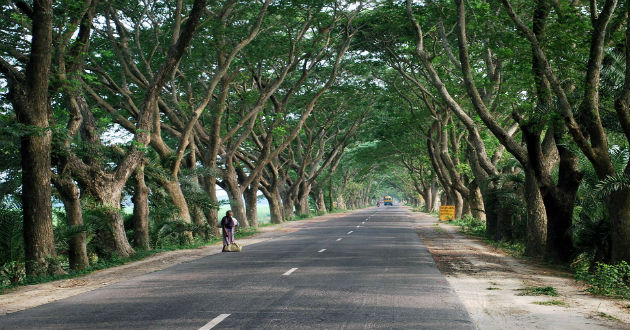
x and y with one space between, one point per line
471 226
477 228
538 291
552 302
614 183
11 246
607 280
12 273
591 225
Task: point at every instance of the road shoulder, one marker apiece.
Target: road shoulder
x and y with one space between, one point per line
487 282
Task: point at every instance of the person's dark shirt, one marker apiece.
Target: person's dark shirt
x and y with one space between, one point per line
227 222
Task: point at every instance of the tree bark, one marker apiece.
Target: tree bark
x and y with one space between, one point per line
251 204
619 214
141 211
77 246
536 216
29 97
177 197
331 206
320 202
475 201
303 207
275 204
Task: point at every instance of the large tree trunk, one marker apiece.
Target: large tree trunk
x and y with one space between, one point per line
435 193
30 101
77 246
459 204
288 208
177 197
176 194
341 203
141 211
492 215
320 202
115 238
302 205
536 241
504 221
475 201
465 206
331 206
559 204
275 205
619 214
251 204
428 199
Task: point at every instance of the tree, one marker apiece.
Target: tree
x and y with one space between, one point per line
28 92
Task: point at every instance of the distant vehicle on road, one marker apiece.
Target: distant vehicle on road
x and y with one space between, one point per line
388 200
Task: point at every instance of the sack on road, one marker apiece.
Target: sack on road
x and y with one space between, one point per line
234 247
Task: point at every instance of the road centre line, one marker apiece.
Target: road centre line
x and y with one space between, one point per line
214 322
339 239
288 272
322 250
350 232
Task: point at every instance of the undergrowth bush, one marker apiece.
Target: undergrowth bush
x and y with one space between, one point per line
471 225
605 279
11 246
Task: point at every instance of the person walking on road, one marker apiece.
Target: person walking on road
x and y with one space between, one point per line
227 224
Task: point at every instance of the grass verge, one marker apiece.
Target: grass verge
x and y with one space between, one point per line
477 228
538 291
552 303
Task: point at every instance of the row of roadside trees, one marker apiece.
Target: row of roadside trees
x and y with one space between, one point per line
158 103
516 112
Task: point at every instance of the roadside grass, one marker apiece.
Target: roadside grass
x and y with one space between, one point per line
553 302
477 228
604 279
608 316
538 291
471 226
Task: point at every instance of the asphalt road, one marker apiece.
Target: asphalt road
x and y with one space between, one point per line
366 270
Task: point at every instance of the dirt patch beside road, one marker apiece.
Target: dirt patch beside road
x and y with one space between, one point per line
38 294
490 284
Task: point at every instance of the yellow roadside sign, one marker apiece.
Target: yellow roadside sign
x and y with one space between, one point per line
447 212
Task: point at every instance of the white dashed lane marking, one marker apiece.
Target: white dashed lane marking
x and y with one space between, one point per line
350 232
214 322
339 239
322 250
288 272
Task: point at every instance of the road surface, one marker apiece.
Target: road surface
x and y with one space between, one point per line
366 270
